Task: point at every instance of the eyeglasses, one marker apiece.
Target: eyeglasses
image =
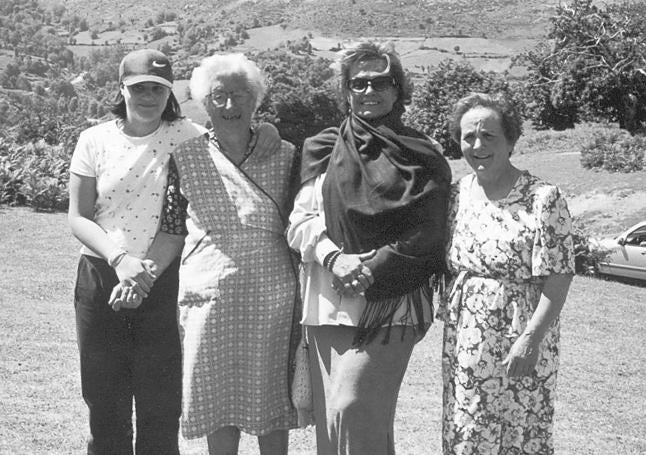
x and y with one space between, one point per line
219 98
378 84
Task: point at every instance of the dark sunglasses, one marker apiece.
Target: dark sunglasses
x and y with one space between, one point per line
378 84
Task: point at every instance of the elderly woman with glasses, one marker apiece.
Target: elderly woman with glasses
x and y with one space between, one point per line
238 285
369 222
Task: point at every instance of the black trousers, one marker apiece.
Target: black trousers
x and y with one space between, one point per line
129 354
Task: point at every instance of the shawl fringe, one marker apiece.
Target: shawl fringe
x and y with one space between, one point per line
380 313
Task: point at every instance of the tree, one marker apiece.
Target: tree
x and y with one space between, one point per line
443 87
22 83
9 76
157 33
166 48
591 67
300 98
62 89
58 11
102 65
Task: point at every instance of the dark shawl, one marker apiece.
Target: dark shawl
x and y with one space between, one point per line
386 188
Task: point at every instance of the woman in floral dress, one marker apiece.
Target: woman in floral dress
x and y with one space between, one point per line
511 257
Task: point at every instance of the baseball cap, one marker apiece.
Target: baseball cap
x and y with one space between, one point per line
145 65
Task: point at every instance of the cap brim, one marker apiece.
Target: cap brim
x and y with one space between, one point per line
131 80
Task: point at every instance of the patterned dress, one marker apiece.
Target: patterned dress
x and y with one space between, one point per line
238 289
499 253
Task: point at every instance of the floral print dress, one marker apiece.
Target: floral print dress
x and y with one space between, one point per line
499 253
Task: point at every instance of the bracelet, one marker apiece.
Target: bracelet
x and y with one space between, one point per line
116 258
332 260
328 257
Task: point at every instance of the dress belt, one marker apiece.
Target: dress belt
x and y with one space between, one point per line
452 311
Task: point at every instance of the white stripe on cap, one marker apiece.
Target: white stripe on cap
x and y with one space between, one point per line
131 80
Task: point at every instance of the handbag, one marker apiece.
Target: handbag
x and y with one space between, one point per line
302 385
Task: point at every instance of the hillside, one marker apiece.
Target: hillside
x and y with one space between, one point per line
496 18
58 60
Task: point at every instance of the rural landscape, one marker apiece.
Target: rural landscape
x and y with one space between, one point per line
577 68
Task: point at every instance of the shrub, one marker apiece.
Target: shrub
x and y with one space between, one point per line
33 118
34 174
10 176
157 33
614 151
588 252
585 261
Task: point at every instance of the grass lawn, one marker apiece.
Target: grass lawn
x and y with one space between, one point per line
601 400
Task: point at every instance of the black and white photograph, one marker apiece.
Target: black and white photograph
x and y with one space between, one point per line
322 227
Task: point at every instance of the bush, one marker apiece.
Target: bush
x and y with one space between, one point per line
584 262
157 33
34 174
588 252
35 118
10 176
614 151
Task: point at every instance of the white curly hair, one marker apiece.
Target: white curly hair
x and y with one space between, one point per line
217 66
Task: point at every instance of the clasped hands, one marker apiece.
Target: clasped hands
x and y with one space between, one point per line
351 276
136 278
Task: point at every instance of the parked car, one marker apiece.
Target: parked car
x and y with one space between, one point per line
627 254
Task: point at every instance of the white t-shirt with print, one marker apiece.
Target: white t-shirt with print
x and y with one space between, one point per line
130 175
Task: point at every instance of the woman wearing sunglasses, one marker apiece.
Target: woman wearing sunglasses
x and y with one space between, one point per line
369 222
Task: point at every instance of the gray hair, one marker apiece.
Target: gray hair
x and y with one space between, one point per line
217 66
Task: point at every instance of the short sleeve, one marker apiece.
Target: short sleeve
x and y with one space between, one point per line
84 156
553 250
174 208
